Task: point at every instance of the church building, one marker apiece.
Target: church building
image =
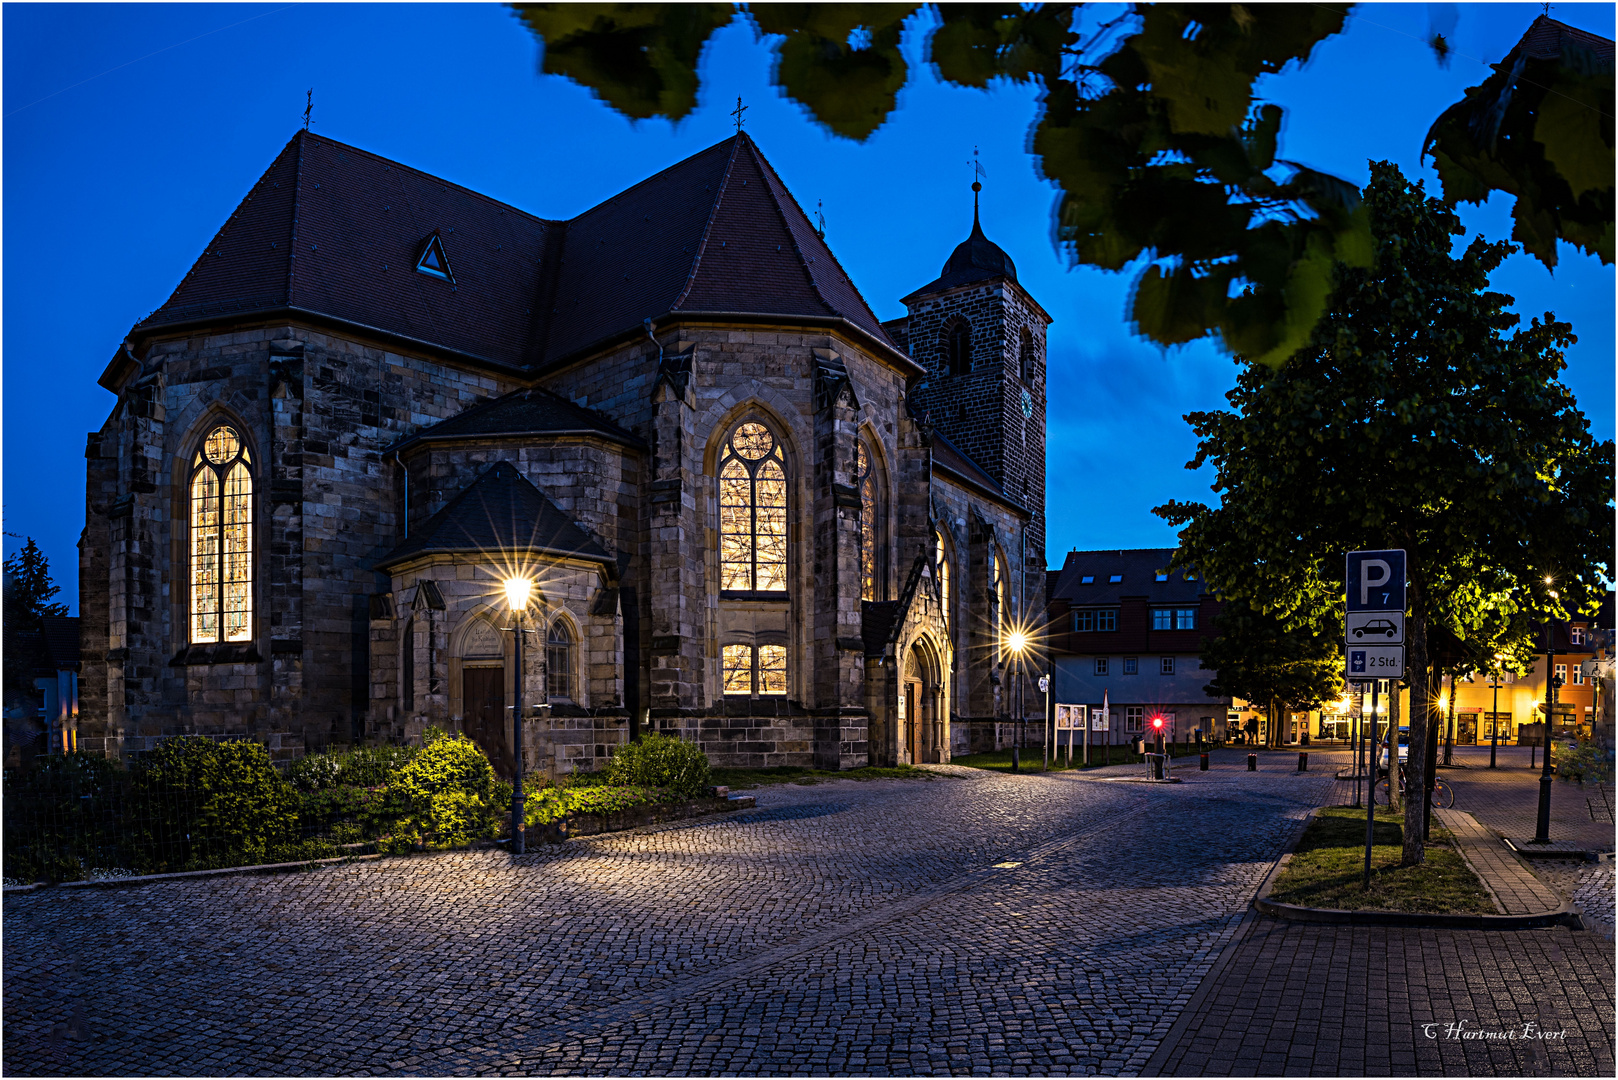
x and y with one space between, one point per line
753 515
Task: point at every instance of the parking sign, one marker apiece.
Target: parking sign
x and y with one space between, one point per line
1376 580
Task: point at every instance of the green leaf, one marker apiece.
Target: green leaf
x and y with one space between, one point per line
849 90
640 58
1576 135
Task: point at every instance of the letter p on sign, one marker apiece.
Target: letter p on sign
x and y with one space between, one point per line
1376 580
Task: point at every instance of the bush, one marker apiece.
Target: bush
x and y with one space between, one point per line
62 817
449 788
364 766
208 804
553 803
660 761
1581 761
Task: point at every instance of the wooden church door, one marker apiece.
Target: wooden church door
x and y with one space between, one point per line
483 699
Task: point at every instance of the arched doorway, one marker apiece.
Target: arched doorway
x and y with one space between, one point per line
922 732
483 695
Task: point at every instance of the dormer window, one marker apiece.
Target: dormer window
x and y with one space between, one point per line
432 260
1087 579
1162 575
1115 579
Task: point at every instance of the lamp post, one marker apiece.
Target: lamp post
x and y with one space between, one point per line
1017 642
518 590
1494 717
1542 828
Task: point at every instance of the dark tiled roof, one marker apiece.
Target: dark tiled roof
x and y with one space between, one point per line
1137 567
951 457
60 637
1548 39
977 258
500 512
337 231
524 412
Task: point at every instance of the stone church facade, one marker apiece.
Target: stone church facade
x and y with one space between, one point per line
754 516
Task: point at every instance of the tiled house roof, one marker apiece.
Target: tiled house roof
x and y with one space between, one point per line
499 512
523 412
1137 571
333 231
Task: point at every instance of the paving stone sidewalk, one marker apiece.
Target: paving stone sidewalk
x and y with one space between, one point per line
1514 888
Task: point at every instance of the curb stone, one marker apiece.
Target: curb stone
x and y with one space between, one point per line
1564 915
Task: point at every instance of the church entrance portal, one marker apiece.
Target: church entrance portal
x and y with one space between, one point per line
922 733
483 698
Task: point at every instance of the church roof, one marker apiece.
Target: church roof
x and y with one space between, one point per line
332 231
500 513
977 258
952 458
523 412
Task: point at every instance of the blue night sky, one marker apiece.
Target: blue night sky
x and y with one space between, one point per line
131 132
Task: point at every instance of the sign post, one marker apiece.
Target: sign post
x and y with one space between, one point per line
1374 649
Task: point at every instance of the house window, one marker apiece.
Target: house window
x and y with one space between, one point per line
1131 665
1561 674
959 347
749 669
1576 635
752 512
1185 618
222 539
1101 665
1578 674
1162 618
1088 620
869 526
559 661
1168 665
1134 718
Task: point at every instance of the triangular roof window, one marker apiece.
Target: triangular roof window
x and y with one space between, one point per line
432 259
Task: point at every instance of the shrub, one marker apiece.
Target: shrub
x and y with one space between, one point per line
1581 761
64 814
660 761
448 786
209 804
364 766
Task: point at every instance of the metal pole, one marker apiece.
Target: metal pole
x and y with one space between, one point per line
1370 801
517 823
1494 720
1045 732
1542 829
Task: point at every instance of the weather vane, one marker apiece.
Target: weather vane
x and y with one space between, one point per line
308 108
820 219
737 113
978 173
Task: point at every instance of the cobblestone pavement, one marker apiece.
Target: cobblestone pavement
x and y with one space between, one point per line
975 923
1506 799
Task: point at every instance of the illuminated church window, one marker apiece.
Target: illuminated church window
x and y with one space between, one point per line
222 540
752 512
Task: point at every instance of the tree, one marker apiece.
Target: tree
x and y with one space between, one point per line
1256 657
28 592
1163 158
1415 420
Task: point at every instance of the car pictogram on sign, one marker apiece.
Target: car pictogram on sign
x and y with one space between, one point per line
1377 628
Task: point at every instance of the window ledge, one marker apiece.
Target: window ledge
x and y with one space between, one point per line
232 652
750 595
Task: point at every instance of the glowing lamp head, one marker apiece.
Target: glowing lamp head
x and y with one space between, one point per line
518 589
1018 641
1157 723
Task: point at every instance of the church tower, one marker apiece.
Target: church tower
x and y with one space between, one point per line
981 337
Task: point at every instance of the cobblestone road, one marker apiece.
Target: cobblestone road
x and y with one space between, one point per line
971 924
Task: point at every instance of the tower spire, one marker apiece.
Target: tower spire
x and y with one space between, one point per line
977 171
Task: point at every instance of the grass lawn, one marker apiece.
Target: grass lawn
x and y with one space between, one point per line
738 779
1327 868
1185 756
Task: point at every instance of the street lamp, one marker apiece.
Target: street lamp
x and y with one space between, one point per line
1017 642
1494 718
518 590
1542 828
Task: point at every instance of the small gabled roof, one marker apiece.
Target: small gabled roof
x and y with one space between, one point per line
952 459
523 412
500 514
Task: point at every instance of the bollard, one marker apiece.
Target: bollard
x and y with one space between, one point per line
1303 762
1252 763
1157 766
1204 763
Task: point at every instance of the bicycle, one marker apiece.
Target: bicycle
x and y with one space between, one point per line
1443 794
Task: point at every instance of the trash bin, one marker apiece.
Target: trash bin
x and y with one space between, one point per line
1252 763
1203 765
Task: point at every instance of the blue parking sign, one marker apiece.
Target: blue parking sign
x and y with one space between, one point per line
1376 580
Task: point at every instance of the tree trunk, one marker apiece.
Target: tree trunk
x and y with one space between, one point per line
1274 741
1449 732
1417 674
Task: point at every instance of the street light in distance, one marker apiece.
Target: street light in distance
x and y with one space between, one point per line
518 592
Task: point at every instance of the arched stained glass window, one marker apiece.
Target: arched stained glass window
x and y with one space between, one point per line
559 661
943 577
870 525
222 539
997 599
752 512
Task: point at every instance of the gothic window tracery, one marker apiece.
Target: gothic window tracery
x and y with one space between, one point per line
870 525
942 561
752 512
997 599
221 539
